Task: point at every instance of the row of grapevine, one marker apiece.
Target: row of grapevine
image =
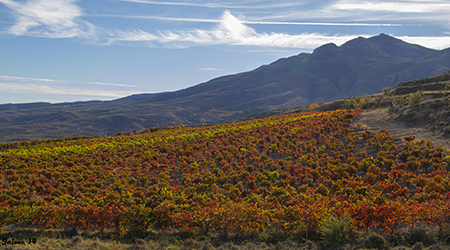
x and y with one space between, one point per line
288 172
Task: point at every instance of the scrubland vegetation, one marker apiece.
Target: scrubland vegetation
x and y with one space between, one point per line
298 181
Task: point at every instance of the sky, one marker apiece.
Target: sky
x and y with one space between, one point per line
78 50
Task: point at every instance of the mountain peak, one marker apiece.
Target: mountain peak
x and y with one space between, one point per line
329 48
357 42
399 48
385 40
382 45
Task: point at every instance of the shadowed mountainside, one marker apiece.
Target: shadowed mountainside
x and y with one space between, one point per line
329 73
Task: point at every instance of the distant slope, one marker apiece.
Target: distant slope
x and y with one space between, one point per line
329 73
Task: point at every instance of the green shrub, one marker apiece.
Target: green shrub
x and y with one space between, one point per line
399 101
313 106
444 234
321 189
357 102
386 90
337 230
274 236
191 243
395 238
206 245
416 97
374 241
274 175
419 235
447 161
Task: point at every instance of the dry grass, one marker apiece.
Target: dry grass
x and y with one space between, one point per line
365 241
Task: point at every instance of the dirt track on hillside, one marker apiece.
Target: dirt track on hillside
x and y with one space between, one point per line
377 119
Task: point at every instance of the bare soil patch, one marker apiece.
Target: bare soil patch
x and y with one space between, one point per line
378 119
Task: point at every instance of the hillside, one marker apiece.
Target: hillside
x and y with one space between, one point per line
418 107
329 73
418 104
289 176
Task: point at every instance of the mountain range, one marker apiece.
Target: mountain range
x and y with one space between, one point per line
331 72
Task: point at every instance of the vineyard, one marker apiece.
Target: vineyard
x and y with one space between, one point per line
289 173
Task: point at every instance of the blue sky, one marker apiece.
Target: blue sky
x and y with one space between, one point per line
69 50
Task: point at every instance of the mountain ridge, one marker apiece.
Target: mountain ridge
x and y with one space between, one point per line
336 53
331 72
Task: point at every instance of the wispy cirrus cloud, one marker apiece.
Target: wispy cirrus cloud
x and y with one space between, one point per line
231 31
13 87
393 6
207 5
54 19
64 18
404 11
43 80
200 20
39 86
330 9
223 5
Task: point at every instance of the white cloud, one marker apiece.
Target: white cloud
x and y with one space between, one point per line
12 87
44 18
231 31
324 24
393 6
18 78
57 88
238 5
199 20
407 12
209 5
135 35
29 80
63 18
177 19
437 42
40 86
